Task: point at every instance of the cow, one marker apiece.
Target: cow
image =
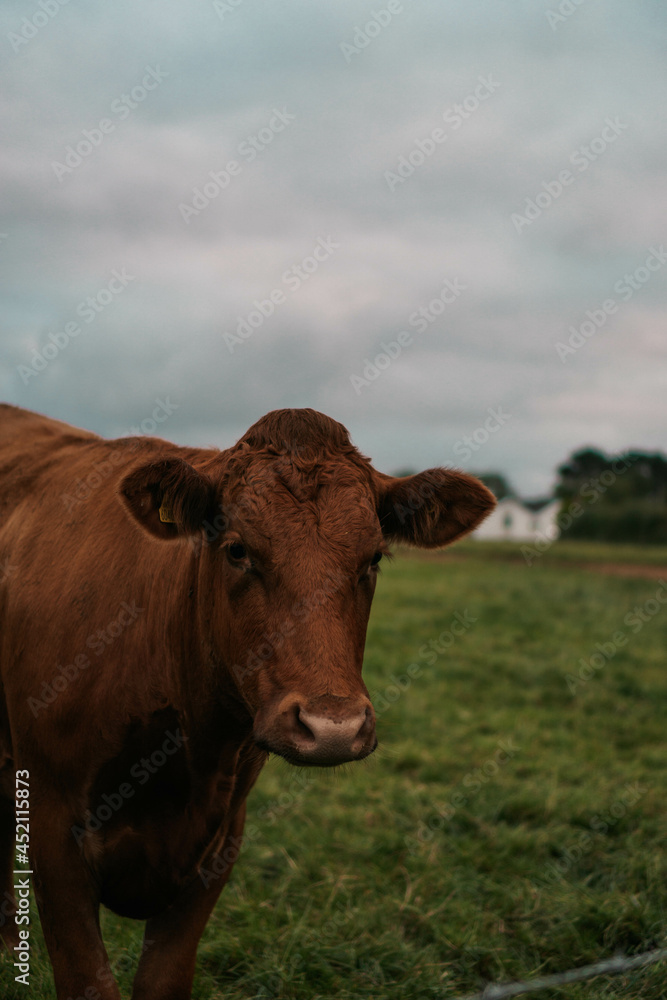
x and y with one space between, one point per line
171 616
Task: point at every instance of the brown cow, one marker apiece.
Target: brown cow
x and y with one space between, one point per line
170 616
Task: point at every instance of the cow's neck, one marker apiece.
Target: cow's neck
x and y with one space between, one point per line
217 725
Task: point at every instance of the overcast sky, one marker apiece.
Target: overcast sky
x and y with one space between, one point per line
479 179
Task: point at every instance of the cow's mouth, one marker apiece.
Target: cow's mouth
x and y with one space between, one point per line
321 757
322 732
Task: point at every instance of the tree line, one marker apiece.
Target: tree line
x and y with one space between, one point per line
610 498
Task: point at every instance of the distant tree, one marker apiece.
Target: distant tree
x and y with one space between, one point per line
582 465
497 483
619 498
649 475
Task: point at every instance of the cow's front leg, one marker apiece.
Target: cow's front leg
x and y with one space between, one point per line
68 903
167 965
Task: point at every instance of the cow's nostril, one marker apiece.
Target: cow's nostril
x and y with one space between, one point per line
303 730
323 731
367 723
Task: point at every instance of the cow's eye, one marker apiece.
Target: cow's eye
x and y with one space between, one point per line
237 552
376 559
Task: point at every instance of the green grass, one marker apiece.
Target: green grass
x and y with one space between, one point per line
562 551
434 866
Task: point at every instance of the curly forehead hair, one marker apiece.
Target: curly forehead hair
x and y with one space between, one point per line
302 449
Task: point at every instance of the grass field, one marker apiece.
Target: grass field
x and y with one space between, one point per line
550 553
513 823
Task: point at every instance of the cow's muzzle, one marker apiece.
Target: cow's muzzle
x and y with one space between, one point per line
319 731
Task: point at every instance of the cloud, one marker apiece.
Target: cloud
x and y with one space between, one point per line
222 77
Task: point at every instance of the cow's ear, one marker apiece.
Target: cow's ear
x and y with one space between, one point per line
432 508
168 498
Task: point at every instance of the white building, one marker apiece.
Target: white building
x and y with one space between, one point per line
520 521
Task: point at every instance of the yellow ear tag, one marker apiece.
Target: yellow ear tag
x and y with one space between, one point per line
167 514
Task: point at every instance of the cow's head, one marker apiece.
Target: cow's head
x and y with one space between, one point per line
288 528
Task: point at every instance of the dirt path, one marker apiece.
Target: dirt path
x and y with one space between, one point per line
624 569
